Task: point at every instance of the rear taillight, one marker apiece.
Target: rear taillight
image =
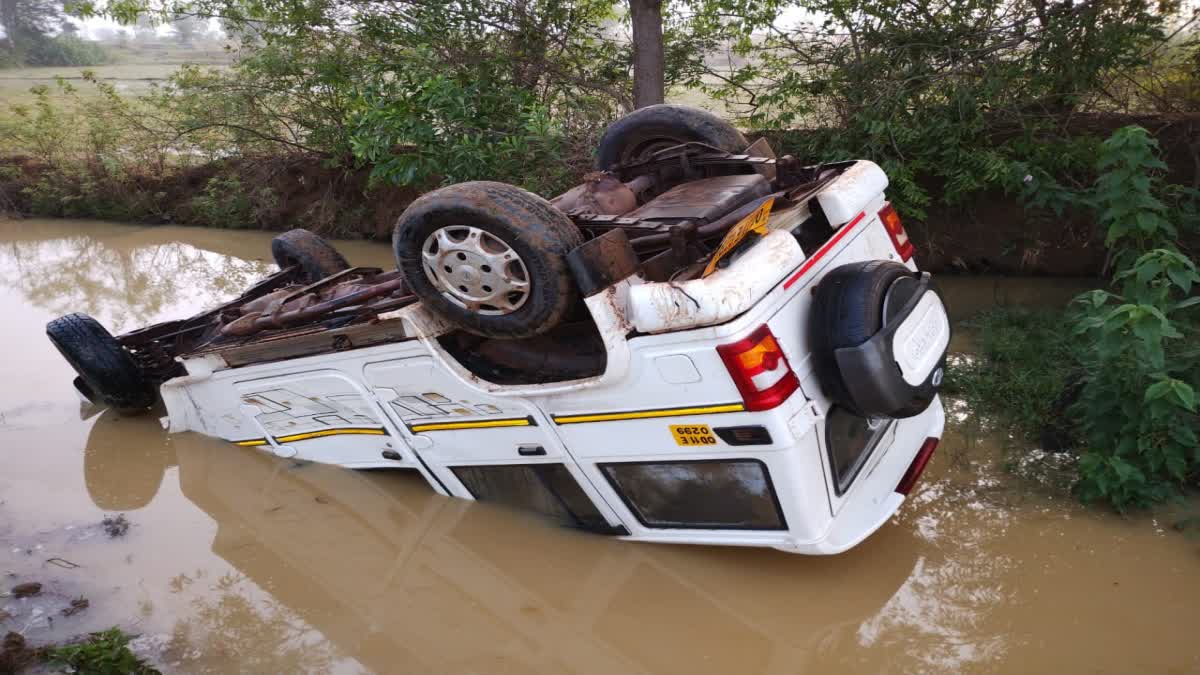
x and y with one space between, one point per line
918 465
760 370
895 230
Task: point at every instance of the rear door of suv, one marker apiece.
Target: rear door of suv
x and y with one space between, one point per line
485 447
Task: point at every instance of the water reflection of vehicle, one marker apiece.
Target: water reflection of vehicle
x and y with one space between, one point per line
124 461
404 580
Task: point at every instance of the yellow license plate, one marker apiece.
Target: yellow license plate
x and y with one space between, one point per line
693 434
755 222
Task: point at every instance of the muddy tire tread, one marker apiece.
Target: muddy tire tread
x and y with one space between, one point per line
316 257
103 364
681 122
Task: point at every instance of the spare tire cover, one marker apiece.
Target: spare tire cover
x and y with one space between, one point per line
879 336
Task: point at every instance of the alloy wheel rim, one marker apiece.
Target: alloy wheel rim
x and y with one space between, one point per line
476 270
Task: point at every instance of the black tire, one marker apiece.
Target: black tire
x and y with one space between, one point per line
316 257
852 304
540 234
106 367
655 127
124 461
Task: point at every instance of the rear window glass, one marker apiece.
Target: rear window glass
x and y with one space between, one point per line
708 494
850 440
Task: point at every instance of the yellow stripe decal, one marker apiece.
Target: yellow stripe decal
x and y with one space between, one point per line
481 424
649 414
369 431
357 431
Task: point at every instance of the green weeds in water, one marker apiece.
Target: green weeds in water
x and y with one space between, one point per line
1023 362
103 653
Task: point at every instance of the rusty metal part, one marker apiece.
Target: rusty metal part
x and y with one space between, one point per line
174 329
710 199
684 242
243 325
718 227
600 193
310 306
602 262
761 148
692 155
705 199
329 281
155 360
822 175
262 304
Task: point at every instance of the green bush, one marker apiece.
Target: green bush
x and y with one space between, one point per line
223 203
428 125
952 98
1131 364
1140 347
65 50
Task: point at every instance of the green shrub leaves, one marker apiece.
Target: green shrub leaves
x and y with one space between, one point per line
1138 407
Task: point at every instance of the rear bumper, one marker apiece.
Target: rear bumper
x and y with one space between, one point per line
873 499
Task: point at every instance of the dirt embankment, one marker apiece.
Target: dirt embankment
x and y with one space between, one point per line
993 234
267 193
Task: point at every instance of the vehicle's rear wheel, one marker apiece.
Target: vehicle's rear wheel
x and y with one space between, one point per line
853 303
316 257
647 130
106 367
489 257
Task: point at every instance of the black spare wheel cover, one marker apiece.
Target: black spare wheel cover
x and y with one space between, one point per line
862 346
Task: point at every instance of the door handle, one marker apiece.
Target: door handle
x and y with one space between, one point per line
530 450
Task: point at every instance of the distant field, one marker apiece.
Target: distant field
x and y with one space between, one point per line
130 79
136 67
700 100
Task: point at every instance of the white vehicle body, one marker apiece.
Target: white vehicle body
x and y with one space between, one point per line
410 404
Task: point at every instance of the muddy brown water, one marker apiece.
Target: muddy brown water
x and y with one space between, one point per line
236 561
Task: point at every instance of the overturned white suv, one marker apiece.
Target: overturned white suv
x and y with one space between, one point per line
702 343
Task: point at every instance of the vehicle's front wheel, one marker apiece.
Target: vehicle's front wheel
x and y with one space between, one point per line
489 257
315 257
105 366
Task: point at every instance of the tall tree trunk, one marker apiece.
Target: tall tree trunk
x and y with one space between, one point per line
8 19
648 60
